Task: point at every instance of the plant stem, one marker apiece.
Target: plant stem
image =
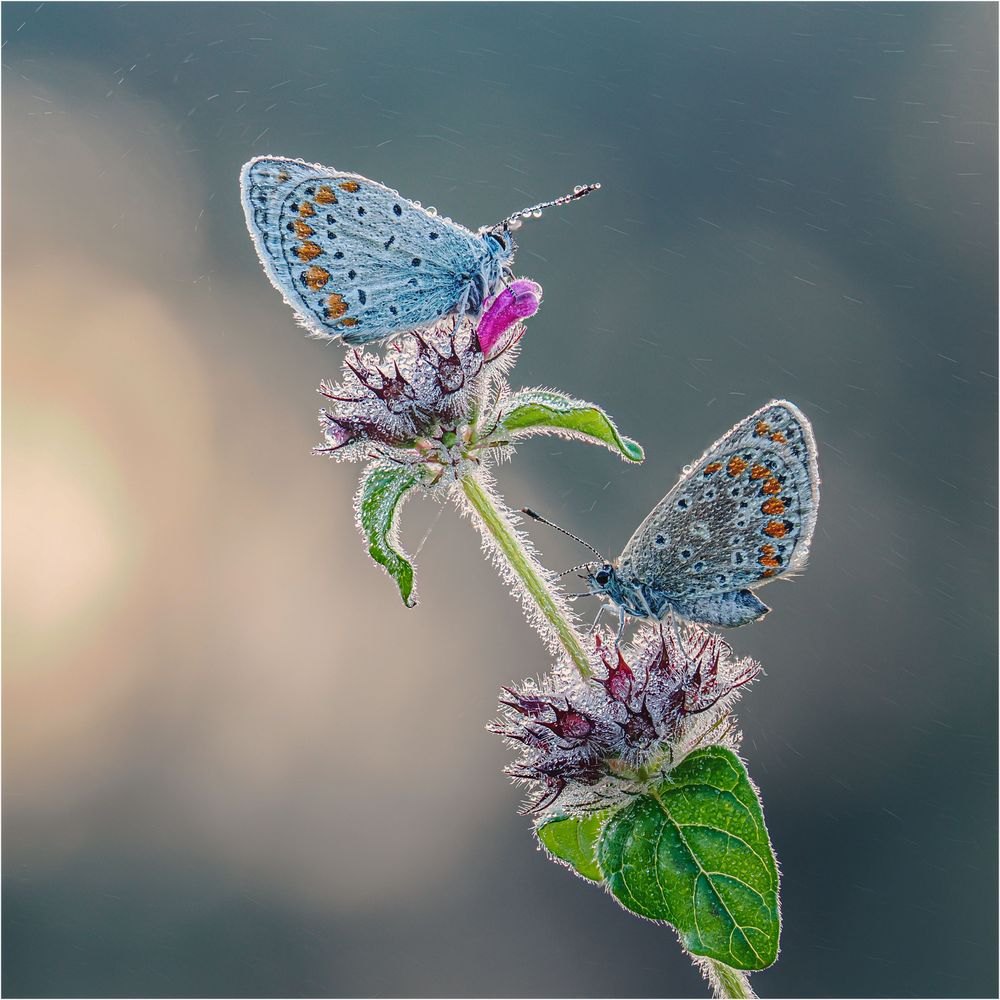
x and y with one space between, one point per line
493 521
729 982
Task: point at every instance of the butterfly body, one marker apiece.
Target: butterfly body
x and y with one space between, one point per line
356 260
740 516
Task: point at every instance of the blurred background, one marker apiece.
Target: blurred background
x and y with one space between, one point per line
233 763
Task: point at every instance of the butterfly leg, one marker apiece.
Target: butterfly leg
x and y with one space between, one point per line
621 625
600 611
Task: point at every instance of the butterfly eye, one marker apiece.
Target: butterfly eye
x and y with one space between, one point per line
499 240
601 577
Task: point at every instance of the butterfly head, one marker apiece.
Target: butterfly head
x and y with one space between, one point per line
500 240
602 580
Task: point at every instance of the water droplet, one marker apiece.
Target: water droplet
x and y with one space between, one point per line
536 215
417 203
431 210
687 470
577 189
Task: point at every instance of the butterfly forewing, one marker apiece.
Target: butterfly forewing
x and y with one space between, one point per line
741 516
352 257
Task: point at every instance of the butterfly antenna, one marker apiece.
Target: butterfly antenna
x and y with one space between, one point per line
573 569
580 191
538 517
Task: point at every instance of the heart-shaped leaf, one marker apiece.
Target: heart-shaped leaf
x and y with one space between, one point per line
694 851
377 504
541 411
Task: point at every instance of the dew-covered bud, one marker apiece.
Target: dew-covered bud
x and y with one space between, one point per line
588 744
430 402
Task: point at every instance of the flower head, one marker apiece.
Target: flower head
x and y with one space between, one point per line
426 403
588 744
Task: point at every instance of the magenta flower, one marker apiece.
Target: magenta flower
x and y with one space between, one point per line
521 300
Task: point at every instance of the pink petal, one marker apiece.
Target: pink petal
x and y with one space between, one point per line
519 301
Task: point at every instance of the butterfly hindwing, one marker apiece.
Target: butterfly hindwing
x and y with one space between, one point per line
352 257
742 515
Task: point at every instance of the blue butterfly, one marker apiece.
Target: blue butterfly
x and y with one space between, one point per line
357 261
742 515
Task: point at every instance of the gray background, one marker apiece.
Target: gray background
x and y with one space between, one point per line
234 764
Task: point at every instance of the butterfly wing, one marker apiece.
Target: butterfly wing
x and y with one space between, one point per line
742 515
352 257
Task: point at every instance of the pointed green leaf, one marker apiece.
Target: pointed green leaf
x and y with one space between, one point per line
382 490
573 840
541 411
694 851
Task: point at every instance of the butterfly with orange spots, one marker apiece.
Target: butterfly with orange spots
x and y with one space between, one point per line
356 260
740 516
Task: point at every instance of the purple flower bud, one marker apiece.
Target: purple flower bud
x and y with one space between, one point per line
620 679
570 725
519 301
589 742
336 434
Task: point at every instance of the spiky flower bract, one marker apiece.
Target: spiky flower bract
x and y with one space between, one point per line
586 744
429 404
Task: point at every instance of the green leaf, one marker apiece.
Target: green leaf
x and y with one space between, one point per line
382 490
573 840
694 851
541 411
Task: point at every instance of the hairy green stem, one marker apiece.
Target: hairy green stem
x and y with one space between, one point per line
521 562
726 982
729 982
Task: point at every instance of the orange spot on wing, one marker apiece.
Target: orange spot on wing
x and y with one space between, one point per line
302 229
759 472
772 487
316 277
769 557
773 506
349 321
776 529
768 572
325 196
779 437
306 209
351 186
762 428
712 467
336 305
736 466
307 251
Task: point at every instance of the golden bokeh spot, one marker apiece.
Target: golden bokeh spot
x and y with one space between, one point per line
302 229
759 471
307 251
762 428
775 529
325 196
772 487
351 186
712 467
736 466
774 506
316 277
306 209
337 306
